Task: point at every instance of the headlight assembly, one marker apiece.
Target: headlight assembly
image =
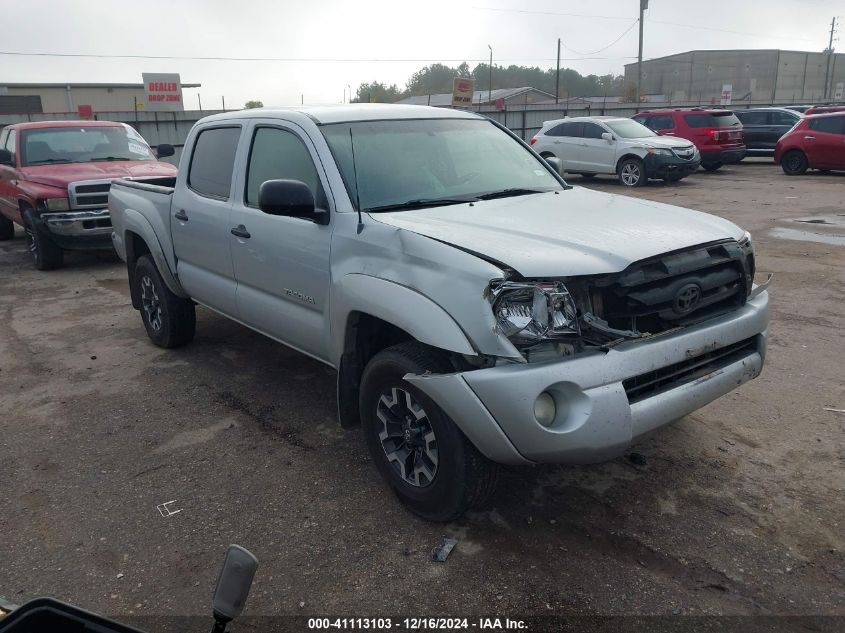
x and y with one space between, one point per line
659 151
530 312
56 204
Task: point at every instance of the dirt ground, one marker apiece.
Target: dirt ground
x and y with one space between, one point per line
736 509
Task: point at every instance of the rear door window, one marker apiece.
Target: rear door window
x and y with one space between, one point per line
662 122
784 118
712 119
570 128
212 161
830 125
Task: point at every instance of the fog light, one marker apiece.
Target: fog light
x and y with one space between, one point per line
544 409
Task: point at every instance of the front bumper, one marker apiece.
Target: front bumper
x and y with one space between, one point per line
661 166
78 230
595 419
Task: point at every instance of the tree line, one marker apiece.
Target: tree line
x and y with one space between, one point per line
437 78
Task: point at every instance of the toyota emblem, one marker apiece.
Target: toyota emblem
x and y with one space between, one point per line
687 298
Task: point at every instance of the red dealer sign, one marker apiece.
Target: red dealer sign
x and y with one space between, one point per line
162 91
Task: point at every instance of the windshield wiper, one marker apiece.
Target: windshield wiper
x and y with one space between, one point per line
49 160
507 193
91 160
420 203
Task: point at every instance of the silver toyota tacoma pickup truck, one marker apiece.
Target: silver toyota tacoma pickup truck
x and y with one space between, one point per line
478 310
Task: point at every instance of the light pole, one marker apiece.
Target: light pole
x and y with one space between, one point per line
350 92
643 7
490 79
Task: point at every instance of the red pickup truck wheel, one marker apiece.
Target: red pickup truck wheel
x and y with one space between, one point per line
170 321
46 254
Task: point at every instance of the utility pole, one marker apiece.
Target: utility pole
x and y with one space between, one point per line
490 80
223 99
557 74
829 57
643 7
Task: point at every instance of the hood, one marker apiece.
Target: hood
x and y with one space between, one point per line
662 141
575 232
62 174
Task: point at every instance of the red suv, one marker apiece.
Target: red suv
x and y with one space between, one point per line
716 133
816 142
824 109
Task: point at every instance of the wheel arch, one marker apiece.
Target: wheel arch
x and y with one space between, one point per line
373 314
625 157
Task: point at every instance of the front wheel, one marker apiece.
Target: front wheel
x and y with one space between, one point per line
45 253
170 320
794 163
431 466
631 172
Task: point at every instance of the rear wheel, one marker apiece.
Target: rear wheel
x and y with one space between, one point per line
7 228
631 172
45 253
431 466
711 166
170 320
794 163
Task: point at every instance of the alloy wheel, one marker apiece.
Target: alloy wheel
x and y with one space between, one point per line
151 303
407 437
630 174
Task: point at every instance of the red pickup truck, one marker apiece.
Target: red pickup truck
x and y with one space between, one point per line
55 178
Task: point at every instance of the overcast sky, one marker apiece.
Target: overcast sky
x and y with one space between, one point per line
354 34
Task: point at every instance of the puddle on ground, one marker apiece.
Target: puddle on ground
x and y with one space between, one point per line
808 236
837 220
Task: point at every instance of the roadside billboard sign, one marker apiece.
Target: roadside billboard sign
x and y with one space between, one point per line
162 92
462 92
840 91
727 94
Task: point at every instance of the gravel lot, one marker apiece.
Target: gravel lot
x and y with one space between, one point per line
737 509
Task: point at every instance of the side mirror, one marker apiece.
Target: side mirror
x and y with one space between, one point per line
163 150
292 198
6 158
607 136
233 584
555 164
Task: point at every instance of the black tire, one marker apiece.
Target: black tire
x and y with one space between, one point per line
711 166
7 229
794 163
170 321
631 173
588 176
45 253
462 478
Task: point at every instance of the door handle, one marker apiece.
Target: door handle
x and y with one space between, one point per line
809 138
181 215
240 231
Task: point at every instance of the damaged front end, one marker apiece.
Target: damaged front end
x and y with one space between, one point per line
565 316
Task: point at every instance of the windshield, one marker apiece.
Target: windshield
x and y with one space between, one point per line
629 129
427 161
44 146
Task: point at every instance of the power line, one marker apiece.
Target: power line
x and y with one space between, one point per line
624 33
610 17
294 59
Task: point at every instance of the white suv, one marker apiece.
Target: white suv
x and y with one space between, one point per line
615 145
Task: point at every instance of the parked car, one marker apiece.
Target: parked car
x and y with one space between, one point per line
716 133
55 177
476 307
817 142
764 126
799 108
614 145
824 109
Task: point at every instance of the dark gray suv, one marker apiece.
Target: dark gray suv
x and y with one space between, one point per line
764 126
